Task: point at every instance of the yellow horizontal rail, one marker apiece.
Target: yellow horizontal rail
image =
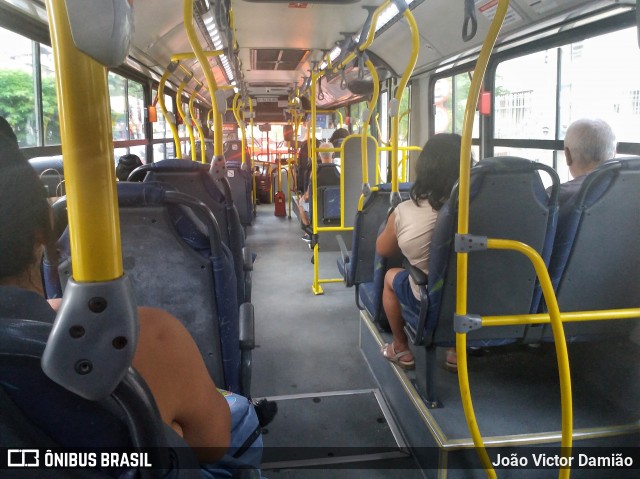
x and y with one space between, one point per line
190 55
333 228
559 340
567 317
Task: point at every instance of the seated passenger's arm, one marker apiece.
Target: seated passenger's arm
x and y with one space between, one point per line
387 242
171 364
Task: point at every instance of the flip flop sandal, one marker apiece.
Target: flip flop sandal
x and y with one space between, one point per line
397 357
451 361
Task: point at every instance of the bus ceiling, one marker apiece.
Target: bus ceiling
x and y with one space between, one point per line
278 40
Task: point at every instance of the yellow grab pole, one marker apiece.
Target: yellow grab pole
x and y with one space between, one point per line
558 338
165 112
87 147
211 81
198 124
236 113
253 155
463 227
190 55
370 35
185 120
365 126
395 120
311 137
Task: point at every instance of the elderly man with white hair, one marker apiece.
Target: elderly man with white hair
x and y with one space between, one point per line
587 144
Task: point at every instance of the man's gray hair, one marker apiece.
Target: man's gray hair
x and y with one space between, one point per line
590 141
327 155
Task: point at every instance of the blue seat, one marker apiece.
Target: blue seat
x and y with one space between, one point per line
179 264
596 256
328 187
128 418
240 181
194 179
361 266
507 201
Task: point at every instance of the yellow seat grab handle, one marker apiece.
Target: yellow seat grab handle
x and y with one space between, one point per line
462 271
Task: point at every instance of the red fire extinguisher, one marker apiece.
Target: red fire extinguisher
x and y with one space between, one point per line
279 198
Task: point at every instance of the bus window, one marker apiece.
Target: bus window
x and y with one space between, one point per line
19 105
442 106
162 131
449 103
118 101
601 78
525 95
50 119
383 139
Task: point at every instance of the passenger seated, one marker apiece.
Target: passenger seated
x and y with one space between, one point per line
166 355
587 144
408 230
126 164
338 136
304 166
326 158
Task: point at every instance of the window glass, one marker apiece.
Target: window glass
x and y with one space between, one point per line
50 118
17 91
601 78
461 85
525 97
442 106
383 135
356 116
405 114
135 100
118 102
161 128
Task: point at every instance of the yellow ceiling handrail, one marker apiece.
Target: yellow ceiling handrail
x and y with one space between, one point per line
165 112
211 81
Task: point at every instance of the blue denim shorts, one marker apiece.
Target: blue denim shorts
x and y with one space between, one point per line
404 293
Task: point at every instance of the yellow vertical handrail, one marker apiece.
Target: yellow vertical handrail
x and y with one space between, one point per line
253 155
211 81
316 288
87 148
185 119
237 104
463 228
365 127
395 119
165 112
462 270
198 123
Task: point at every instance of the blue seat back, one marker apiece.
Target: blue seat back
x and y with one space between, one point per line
596 257
194 179
366 225
180 265
507 201
36 412
328 183
240 181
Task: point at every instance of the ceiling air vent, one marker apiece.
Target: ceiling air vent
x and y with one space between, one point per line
277 59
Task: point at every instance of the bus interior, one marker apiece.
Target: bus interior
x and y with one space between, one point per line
219 97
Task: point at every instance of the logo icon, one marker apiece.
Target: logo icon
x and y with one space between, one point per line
23 457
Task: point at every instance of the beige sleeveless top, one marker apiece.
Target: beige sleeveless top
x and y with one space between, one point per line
414 227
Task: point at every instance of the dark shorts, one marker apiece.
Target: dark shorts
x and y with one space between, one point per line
402 288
